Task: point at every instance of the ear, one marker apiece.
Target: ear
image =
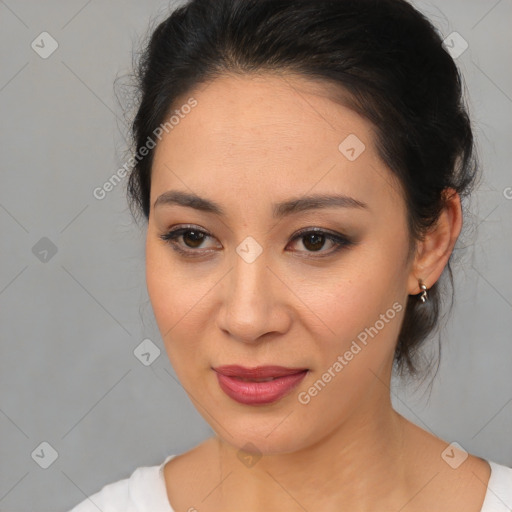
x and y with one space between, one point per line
432 253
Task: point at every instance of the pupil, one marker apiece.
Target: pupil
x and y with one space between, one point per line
196 237
317 241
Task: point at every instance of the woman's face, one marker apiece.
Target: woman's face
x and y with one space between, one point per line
254 291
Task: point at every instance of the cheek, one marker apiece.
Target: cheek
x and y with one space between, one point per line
361 302
159 282
166 289
179 298
351 362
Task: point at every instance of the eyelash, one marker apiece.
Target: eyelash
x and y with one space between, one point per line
340 241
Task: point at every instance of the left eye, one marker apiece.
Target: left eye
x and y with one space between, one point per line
312 239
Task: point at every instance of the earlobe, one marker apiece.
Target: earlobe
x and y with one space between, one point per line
433 252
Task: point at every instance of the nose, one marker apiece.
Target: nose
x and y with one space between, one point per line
254 302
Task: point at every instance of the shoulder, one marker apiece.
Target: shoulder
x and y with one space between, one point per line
463 481
499 489
143 491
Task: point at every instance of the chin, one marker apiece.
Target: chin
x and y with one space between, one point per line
271 436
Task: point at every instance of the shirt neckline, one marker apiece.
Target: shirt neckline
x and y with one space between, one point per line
491 500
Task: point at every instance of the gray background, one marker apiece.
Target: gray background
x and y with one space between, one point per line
70 321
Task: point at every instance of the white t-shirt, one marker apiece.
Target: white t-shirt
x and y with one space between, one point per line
145 491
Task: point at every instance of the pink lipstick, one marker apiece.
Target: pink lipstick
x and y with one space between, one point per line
260 385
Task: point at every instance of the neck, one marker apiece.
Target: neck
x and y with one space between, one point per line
352 468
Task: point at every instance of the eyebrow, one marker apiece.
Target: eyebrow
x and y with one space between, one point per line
279 210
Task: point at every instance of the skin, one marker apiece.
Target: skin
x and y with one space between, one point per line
252 141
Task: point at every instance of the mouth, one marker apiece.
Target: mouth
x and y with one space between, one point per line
258 373
260 385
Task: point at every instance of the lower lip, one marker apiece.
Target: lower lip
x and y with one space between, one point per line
254 393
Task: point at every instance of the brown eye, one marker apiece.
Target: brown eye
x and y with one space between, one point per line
313 241
186 240
193 238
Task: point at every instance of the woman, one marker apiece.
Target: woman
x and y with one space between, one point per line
301 166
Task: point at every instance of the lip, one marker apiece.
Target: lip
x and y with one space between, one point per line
252 392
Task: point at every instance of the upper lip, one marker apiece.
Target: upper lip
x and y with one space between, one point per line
258 372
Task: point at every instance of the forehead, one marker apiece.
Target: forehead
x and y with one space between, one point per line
268 134
249 110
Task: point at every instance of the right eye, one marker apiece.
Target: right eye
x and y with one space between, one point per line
190 235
